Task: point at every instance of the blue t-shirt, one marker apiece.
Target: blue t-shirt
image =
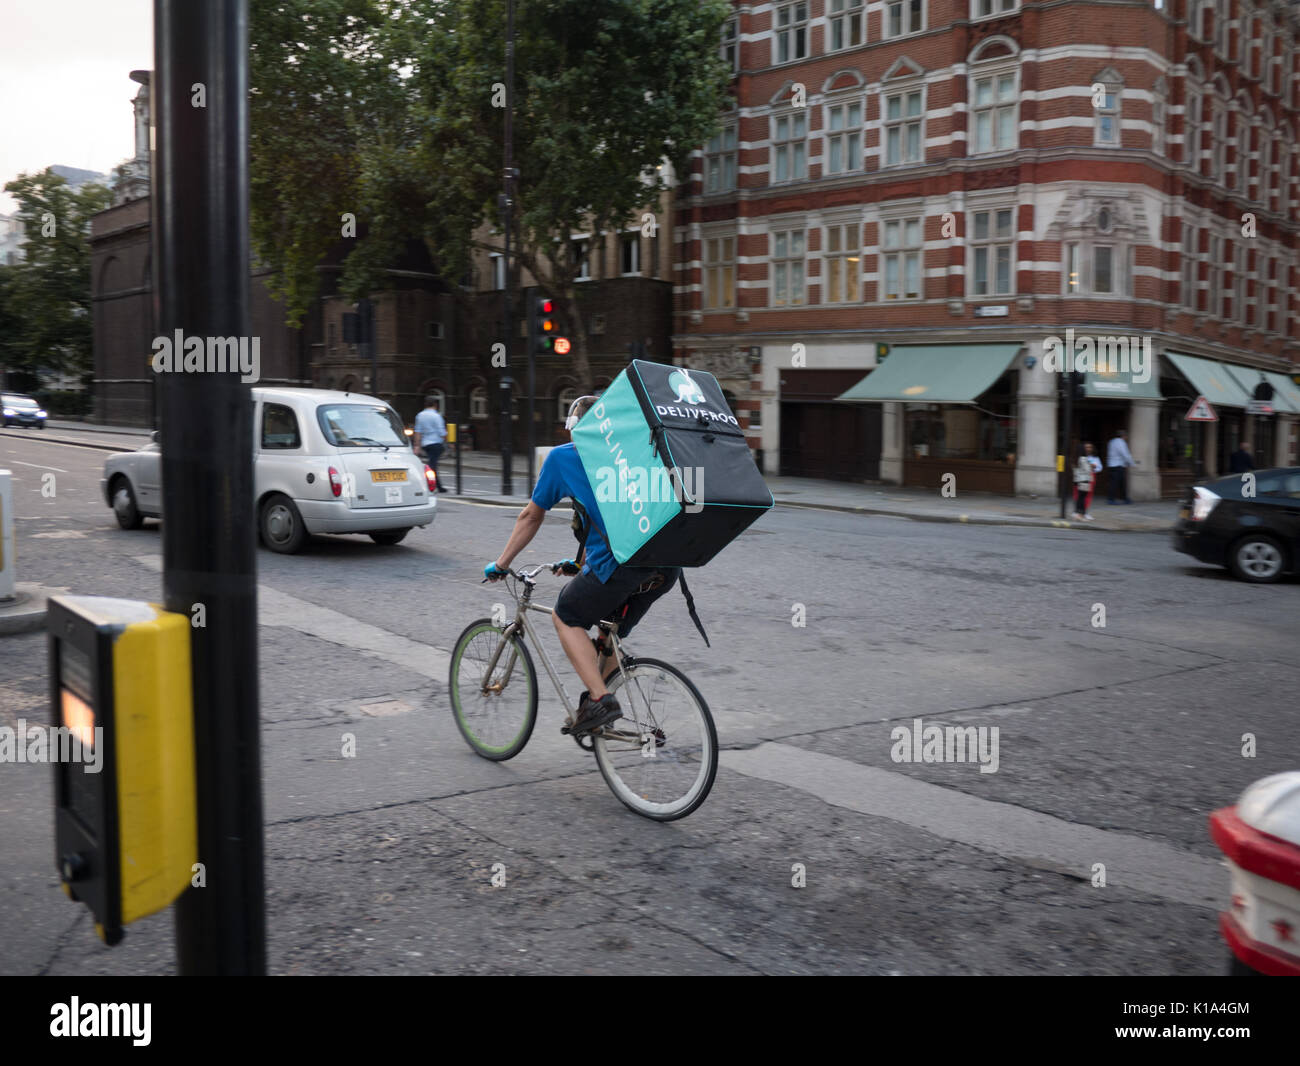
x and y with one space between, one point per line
563 475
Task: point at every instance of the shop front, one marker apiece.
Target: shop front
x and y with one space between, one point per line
959 412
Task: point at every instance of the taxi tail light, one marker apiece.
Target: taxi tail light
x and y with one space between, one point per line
431 479
1203 502
336 482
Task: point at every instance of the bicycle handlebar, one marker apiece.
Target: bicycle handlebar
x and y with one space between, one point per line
530 573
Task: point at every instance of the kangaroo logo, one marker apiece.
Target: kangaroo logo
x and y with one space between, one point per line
687 390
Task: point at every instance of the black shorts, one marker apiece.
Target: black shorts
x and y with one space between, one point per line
585 601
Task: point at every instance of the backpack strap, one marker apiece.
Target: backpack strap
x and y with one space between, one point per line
690 605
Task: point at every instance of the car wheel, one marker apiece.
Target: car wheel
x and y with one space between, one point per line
1257 558
124 507
281 525
389 536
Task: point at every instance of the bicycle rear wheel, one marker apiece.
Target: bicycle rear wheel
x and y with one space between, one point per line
661 757
495 716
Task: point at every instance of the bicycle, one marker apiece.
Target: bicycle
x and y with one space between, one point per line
659 759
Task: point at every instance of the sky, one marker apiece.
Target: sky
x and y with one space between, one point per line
65 85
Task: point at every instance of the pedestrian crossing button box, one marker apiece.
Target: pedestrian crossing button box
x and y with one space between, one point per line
122 749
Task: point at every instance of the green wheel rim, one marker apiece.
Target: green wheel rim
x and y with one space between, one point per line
466 727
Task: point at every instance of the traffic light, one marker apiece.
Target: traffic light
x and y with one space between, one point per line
544 328
1074 385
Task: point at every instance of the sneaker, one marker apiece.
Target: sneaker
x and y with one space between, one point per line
592 714
1077 516
1089 518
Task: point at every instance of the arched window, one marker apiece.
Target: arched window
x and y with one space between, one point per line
993 92
1108 107
478 403
563 401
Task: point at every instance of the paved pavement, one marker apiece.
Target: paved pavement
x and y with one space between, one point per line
481 479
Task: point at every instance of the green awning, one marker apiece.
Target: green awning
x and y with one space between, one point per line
1286 397
1121 385
1211 379
940 373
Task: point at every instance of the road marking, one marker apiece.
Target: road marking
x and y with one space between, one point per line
37 466
277 608
1132 862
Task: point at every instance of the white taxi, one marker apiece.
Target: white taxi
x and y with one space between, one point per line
323 462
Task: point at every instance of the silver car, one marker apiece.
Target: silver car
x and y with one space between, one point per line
323 462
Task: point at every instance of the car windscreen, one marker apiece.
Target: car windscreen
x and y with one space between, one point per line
360 425
20 401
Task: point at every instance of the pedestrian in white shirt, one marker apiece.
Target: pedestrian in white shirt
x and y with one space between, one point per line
430 432
1118 460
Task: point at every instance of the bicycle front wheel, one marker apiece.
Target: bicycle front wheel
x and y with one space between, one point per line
494 714
660 758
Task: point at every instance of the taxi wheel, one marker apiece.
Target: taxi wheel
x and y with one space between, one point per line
281 525
124 508
389 536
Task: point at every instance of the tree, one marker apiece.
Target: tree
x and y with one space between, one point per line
606 93
317 82
46 298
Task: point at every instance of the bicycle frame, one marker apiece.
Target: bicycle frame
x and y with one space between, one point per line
521 624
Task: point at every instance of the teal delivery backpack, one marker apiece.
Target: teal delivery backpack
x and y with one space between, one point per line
673 477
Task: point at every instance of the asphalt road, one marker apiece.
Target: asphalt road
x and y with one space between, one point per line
1114 743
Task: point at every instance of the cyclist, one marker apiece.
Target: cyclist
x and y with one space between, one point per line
601 589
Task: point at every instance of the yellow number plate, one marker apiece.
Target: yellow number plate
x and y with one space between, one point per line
1184 513
387 475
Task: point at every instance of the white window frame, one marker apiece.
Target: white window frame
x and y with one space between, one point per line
992 243
786 264
849 138
895 252
795 144
1240 271
1159 122
1081 254
497 270
904 9
633 235
1214 300
995 8
994 72
790 38
842 263
720 157
729 49
1189 267
1218 142
1242 128
717 272
1114 111
902 122
1192 122
1222 10
583 272
563 401
1264 187
841 16
478 403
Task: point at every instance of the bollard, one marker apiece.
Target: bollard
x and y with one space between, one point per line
1260 837
8 578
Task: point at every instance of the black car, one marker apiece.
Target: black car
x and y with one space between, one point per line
1249 523
16 410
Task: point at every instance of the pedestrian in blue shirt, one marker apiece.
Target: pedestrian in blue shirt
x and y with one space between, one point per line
430 432
1118 460
602 588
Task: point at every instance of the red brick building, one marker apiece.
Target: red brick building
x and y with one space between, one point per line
964 181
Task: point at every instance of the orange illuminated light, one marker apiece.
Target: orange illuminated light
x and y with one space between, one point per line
79 717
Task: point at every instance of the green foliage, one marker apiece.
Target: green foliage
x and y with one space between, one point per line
386 108
45 301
